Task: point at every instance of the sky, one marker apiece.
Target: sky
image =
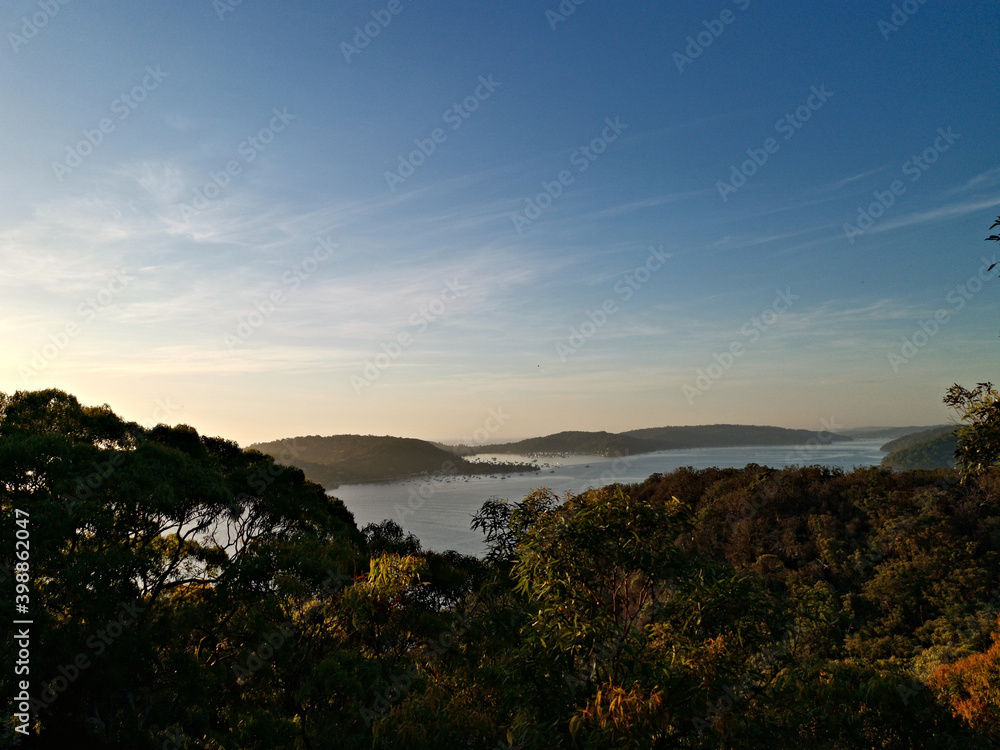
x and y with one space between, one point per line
480 222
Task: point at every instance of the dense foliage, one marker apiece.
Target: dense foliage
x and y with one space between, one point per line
978 440
220 600
918 436
930 449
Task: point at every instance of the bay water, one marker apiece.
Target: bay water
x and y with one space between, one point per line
439 510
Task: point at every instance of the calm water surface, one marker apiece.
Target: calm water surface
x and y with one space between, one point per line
438 511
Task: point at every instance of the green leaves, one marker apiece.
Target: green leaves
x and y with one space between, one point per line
210 546
712 608
978 446
994 237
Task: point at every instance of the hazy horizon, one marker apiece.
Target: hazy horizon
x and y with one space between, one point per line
472 441
437 220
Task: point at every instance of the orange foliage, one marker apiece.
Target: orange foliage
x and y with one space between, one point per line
615 712
972 687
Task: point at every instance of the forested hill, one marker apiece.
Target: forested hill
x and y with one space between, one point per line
662 438
918 437
354 459
190 594
931 449
589 443
723 435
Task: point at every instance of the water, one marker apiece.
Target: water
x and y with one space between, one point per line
438 511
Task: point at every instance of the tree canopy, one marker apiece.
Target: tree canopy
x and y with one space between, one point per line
187 593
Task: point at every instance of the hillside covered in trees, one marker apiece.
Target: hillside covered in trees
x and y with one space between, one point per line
929 449
661 438
912 438
352 459
187 593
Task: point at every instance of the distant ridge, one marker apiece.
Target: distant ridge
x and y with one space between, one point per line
888 433
357 459
661 438
922 436
589 443
354 459
930 449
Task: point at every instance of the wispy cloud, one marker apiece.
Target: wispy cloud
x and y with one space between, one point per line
937 214
652 202
838 184
985 180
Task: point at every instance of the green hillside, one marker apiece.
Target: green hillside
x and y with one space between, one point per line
917 437
727 435
588 443
660 438
356 459
935 450
191 594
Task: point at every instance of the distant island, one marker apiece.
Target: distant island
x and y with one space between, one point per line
655 439
929 449
360 459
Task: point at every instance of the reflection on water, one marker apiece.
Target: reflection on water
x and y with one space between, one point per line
439 511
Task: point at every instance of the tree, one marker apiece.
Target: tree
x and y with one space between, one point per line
632 638
994 237
972 687
162 563
978 443
979 440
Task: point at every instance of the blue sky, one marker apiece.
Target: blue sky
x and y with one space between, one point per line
496 222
